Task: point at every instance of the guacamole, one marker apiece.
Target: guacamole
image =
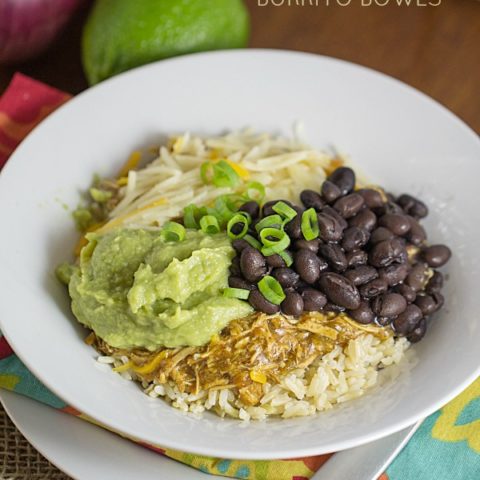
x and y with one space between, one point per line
136 290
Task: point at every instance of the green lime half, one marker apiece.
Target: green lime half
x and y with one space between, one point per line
122 34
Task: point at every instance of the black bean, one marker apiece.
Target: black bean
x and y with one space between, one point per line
327 210
339 290
301 286
286 277
293 304
239 244
429 304
308 244
435 284
235 267
412 206
252 208
330 229
356 258
417 277
380 234
307 265
390 197
252 264
393 208
373 288
418 332
407 320
394 274
387 252
373 198
313 300
334 256
344 179
238 282
365 219
333 307
416 234
260 303
436 255
312 199
398 224
361 274
389 304
354 238
275 261
349 205
294 227
363 314
330 191
267 208
408 292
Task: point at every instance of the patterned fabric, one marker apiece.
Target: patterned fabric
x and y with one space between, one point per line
447 445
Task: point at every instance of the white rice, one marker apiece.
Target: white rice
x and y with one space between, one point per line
337 377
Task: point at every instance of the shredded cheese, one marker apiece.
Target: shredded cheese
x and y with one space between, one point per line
130 164
150 366
285 166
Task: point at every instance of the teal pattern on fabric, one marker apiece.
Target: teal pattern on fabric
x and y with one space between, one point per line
425 458
223 466
242 472
28 384
470 413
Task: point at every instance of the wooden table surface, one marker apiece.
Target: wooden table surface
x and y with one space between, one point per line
435 49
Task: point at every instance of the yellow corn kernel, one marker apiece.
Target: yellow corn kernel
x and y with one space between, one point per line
258 377
122 181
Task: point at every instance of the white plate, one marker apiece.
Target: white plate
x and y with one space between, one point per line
87 452
400 137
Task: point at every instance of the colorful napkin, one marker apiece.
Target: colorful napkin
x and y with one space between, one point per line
446 446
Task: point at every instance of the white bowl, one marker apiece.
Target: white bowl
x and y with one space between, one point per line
398 136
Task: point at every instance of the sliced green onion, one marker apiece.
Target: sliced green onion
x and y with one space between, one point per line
190 213
173 232
252 241
221 174
255 191
270 221
207 172
240 293
225 207
209 224
271 290
287 258
275 239
287 212
309 224
225 175
237 219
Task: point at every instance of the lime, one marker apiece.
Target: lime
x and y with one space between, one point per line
122 34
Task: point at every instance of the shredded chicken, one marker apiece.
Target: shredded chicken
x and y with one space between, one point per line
247 353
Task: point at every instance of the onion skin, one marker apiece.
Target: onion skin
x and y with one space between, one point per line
27 27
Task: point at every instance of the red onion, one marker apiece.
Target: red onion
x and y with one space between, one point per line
27 27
